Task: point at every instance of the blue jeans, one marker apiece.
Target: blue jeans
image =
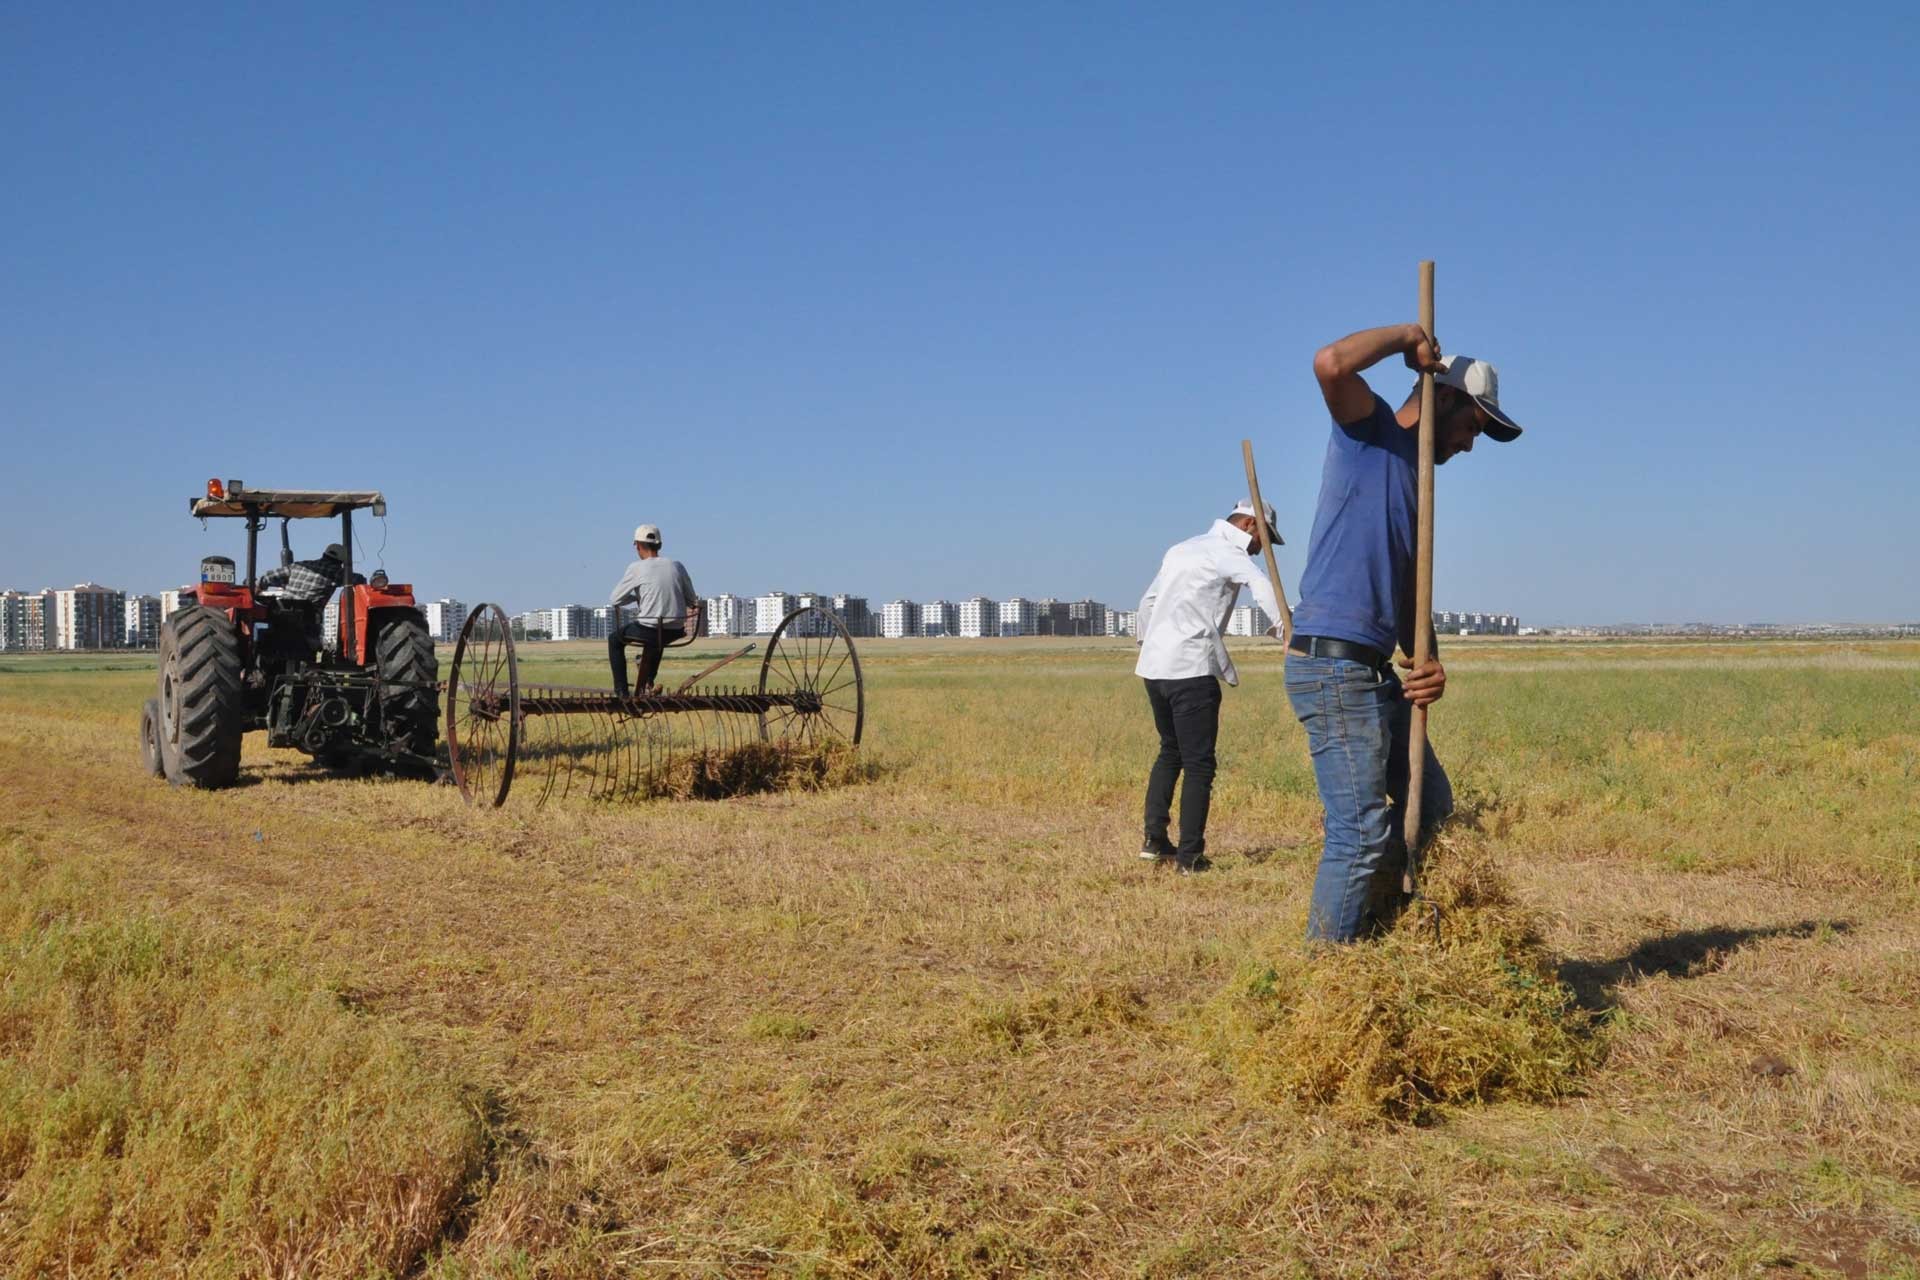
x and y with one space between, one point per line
1357 725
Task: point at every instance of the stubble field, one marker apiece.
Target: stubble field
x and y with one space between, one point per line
943 1022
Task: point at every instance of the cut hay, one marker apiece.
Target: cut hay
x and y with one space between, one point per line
716 773
1394 1026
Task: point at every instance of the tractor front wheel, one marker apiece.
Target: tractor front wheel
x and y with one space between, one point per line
409 679
202 708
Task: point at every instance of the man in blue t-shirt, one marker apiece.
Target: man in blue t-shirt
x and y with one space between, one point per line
1357 605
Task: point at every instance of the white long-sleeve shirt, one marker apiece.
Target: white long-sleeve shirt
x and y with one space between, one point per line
1186 608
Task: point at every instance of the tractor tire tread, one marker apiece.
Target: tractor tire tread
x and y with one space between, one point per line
212 701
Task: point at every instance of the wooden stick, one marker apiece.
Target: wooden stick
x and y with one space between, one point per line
1266 544
1422 592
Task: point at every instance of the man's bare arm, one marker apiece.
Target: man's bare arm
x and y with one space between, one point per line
1338 365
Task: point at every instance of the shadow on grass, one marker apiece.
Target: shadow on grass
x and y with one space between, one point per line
1683 953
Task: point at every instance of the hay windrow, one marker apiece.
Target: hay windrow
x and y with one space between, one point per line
1392 1027
753 767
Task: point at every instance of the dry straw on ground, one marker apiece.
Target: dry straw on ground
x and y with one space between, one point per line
1470 1012
752 767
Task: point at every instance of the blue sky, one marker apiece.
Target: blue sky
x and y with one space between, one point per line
937 300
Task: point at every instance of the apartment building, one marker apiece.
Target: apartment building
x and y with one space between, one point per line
729 615
770 610
23 619
89 616
899 618
1123 622
1086 618
854 615
445 617
1249 620
939 618
979 616
1018 617
142 623
170 601
570 622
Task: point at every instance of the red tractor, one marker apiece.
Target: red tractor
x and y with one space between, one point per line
251 654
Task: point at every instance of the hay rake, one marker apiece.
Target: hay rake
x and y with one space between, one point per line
594 744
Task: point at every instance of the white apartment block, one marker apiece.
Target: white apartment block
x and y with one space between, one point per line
729 615
939 618
89 616
142 629
770 609
1123 622
570 622
170 601
1249 620
899 618
979 616
445 618
1018 617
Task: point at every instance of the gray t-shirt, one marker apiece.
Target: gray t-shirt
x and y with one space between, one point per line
659 588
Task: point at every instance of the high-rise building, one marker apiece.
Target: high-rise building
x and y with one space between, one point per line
1249 620
24 618
1018 617
729 615
445 618
899 618
979 616
601 625
570 622
1087 618
142 629
170 601
1123 622
89 616
770 610
854 614
939 618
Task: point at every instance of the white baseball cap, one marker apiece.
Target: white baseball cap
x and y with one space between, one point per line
1481 381
1244 507
647 535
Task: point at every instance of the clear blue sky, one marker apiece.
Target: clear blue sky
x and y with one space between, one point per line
936 300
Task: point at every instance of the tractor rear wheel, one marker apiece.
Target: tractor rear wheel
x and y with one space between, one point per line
202 709
409 674
150 739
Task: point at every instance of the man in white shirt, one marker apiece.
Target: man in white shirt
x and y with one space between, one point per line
661 592
1183 658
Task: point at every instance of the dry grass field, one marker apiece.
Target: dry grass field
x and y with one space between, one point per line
943 1022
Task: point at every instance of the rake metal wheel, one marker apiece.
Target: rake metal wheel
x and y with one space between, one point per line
811 657
483 707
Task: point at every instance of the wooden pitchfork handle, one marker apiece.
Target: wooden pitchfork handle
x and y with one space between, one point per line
1266 546
1422 593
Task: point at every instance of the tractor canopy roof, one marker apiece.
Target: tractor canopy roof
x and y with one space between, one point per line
235 499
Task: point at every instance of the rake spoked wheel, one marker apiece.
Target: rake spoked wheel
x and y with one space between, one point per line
811 658
483 708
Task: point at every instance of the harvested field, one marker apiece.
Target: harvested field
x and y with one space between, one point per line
938 1020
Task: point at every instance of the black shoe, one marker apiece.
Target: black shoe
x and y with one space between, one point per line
1191 866
1157 851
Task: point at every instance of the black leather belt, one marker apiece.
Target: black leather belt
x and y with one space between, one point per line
1327 647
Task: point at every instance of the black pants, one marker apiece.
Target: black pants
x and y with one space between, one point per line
651 640
1187 713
